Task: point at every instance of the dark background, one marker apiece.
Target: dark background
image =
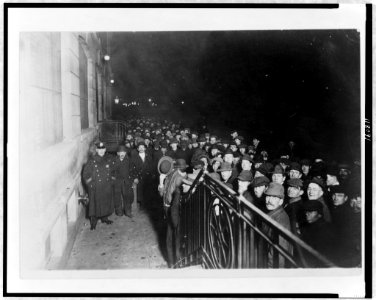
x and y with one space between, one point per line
280 85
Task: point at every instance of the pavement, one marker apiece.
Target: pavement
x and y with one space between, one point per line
127 243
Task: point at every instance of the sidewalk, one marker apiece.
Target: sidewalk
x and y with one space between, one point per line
125 244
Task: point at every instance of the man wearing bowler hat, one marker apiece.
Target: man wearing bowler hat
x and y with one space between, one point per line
98 179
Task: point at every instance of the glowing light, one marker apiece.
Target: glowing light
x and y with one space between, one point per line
182 102
117 100
112 81
149 100
107 57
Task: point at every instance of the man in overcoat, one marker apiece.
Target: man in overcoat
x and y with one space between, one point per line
123 195
140 169
98 179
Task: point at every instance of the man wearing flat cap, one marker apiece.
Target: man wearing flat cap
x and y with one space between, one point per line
97 177
278 175
275 194
226 171
259 186
244 180
295 170
123 194
294 204
246 163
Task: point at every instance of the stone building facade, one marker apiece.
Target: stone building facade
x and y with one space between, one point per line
64 91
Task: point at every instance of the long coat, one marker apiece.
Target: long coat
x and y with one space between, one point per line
321 237
141 170
97 176
138 168
282 218
122 185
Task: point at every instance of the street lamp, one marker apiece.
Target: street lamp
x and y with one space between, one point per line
112 81
182 102
117 100
106 57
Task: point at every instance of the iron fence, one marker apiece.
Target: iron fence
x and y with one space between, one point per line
221 230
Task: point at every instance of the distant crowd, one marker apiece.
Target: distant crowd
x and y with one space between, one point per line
319 201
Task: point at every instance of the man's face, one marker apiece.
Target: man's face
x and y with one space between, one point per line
257 165
194 136
259 190
101 152
314 191
213 140
273 202
242 151
243 186
344 173
228 158
356 204
255 142
225 145
226 175
234 134
278 178
237 141
129 137
194 145
174 146
128 145
147 142
122 154
312 216
295 174
305 169
214 152
186 188
294 192
339 199
141 149
233 148
331 179
246 165
216 165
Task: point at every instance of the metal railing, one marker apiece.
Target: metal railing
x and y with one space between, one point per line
220 230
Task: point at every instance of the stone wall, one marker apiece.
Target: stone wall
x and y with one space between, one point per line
53 147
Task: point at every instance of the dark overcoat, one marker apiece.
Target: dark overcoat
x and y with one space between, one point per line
97 176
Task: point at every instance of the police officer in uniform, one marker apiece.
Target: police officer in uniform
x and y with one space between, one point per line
98 179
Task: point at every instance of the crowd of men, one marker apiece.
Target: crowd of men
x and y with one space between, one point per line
317 200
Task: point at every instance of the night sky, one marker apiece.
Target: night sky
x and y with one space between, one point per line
296 84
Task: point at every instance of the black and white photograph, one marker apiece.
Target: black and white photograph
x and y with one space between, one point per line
187 149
